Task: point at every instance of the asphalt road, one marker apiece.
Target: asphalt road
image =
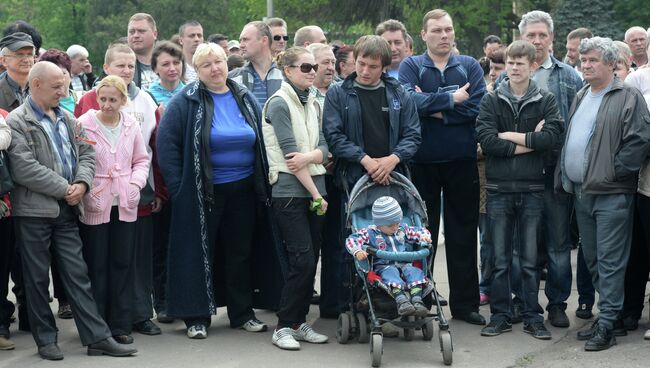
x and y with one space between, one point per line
226 347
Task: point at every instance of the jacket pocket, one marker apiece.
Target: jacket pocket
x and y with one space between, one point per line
132 196
95 199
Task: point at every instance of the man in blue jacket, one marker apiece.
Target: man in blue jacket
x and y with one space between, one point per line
371 125
447 90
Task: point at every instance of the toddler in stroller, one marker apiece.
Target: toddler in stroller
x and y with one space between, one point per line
404 280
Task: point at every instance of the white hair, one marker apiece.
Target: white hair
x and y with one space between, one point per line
535 16
77 50
606 47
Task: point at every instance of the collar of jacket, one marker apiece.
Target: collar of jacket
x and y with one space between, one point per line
195 89
451 62
125 119
389 81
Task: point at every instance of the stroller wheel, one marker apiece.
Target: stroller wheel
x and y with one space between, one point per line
409 333
343 328
362 328
427 331
376 349
446 346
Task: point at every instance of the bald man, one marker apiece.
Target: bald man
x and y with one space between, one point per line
53 166
307 35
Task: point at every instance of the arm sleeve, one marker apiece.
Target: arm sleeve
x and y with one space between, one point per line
409 130
468 110
487 132
636 138
169 144
5 134
550 134
354 242
334 128
427 103
86 165
279 117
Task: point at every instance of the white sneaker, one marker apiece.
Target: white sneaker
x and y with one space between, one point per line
284 339
647 335
306 333
254 325
197 332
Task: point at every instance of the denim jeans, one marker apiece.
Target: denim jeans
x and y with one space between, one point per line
485 255
605 223
510 213
557 238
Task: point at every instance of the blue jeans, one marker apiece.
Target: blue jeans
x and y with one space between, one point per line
605 223
557 238
485 255
511 213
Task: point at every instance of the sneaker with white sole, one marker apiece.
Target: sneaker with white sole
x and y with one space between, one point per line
284 339
197 332
306 333
254 325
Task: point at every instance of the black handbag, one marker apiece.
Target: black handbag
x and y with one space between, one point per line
6 182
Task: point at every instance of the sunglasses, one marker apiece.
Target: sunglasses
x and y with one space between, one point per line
306 67
278 38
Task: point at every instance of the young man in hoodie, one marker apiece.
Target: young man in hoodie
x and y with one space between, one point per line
517 124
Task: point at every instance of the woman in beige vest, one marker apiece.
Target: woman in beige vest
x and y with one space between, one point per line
296 150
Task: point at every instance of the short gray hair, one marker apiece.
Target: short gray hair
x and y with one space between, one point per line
76 50
607 48
634 29
535 16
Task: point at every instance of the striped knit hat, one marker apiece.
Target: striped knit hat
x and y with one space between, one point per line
386 211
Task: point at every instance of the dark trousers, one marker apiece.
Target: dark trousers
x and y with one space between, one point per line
161 225
59 291
41 241
143 281
7 244
584 284
299 230
638 266
520 214
459 182
333 254
231 218
108 250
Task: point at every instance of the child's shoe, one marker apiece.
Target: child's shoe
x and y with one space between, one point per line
421 310
404 306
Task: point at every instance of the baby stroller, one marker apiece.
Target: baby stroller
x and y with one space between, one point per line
371 304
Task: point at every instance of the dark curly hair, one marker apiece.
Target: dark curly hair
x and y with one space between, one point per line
58 57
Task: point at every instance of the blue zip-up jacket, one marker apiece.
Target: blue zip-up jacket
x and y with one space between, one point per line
452 138
343 128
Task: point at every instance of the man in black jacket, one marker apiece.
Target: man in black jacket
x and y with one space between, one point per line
516 125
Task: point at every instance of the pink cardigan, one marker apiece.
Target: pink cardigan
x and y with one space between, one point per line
115 171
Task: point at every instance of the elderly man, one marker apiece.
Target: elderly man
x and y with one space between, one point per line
260 73
563 82
308 35
190 37
394 32
17 55
637 38
280 37
81 71
607 140
142 34
447 89
53 167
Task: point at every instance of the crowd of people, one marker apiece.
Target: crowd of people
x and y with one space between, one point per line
199 172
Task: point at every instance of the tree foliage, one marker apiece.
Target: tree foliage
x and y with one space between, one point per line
597 15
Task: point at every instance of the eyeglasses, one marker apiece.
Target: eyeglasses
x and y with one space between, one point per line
306 67
21 56
278 38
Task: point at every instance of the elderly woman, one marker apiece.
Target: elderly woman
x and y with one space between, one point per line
167 63
108 227
212 158
296 150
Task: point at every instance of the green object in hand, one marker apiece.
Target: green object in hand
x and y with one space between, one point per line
317 206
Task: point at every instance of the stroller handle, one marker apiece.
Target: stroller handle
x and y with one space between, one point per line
398 256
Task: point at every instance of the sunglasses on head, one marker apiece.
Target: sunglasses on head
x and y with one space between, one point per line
305 67
278 38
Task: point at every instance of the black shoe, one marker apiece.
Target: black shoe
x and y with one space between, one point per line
441 299
123 339
557 317
65 312
50 352
516 313
472 317
588 333
147 327
110 347
601 340
584 311
496 328
164 318
538 330
619 328
630 323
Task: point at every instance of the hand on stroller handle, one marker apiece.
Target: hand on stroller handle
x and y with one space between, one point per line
398 256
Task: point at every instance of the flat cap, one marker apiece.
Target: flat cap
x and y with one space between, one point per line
16 41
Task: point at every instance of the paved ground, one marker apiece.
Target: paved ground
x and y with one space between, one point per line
236 348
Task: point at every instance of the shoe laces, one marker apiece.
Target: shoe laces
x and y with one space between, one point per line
283 332
255 322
